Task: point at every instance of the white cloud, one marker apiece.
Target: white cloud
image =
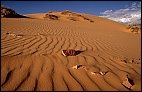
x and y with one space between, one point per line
131 14
107 12
134 4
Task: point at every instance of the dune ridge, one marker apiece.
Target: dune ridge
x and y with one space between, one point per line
31 56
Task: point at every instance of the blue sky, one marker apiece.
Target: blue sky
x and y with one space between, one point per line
120 11
90 7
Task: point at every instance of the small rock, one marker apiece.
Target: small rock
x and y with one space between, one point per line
77 66
131 61
12 35
102 73
93 73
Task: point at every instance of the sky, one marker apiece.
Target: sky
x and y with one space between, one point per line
130 14
90 7
108 9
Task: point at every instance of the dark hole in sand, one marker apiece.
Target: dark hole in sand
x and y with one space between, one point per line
71 52
78 52
131 81
78 66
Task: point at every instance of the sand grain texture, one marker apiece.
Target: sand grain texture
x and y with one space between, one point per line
31 58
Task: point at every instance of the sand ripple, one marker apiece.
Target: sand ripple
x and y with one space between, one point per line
33 61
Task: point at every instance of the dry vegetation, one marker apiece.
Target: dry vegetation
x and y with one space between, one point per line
134 28
51 16
74 16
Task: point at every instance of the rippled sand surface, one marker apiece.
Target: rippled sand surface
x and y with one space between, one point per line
31 58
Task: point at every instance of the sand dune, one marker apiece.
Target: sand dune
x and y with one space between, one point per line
31 58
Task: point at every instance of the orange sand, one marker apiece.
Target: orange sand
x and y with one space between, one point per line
31 58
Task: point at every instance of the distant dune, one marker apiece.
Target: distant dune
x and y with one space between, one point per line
31 59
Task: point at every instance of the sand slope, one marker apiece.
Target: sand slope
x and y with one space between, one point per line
31 57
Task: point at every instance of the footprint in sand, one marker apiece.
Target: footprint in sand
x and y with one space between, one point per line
128 83
14 35
79 66
101 73
71 52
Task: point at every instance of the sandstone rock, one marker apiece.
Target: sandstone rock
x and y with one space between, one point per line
9 13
